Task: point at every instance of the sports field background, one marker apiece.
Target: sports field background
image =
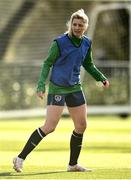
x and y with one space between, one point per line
106 149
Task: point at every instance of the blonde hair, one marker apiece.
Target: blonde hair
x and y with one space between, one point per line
80 14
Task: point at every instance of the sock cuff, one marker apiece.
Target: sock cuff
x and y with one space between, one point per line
77 135
41 133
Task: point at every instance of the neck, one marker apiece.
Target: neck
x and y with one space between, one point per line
80 37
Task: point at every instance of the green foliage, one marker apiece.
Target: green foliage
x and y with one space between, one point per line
18 86
116 94
19 82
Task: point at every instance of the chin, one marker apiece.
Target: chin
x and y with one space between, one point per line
77 35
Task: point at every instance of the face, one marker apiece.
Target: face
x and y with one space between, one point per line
78 27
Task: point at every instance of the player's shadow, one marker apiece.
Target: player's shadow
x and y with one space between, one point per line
40 173
10 174
5 174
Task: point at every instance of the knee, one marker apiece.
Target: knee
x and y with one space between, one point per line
81 127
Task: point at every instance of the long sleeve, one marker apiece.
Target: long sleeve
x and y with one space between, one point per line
53 54
91 68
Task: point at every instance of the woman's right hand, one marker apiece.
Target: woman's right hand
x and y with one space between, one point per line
41 94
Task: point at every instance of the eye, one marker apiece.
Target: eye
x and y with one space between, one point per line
81 25
74 24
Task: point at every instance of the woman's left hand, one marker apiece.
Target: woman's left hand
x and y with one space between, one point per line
106 84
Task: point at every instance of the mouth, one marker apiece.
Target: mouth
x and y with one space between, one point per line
77 31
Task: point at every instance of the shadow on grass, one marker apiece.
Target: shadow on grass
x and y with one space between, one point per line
13 174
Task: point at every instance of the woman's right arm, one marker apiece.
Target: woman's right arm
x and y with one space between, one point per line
53 54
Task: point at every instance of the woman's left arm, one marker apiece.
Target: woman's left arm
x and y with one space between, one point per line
93 71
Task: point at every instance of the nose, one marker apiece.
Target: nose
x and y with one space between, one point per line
77 27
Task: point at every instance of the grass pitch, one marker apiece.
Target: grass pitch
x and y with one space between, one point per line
106 149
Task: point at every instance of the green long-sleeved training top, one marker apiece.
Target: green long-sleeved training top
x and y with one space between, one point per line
52 56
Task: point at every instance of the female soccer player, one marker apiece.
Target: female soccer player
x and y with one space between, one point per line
66 55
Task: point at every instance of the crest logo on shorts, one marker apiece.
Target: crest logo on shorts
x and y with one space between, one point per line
58 98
